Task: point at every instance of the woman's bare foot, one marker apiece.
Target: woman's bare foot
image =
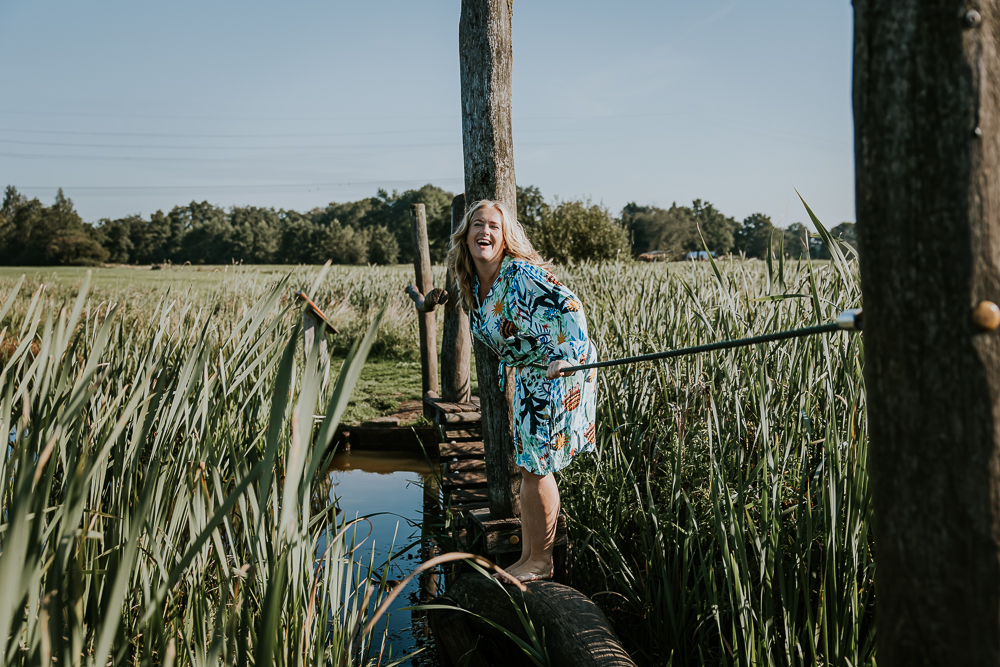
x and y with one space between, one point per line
532 570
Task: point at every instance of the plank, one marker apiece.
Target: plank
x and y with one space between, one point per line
466 465
464 418
464 480
467 496
472 432
462 450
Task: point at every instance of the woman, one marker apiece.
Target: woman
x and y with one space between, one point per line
532 322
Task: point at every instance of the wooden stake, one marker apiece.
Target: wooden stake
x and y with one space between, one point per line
456 344
486 64
927 164
428 326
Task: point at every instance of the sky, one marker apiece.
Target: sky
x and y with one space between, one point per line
132 107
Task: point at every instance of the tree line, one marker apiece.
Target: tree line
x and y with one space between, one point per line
376 230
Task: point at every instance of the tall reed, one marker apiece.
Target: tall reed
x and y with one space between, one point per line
725 516
156 496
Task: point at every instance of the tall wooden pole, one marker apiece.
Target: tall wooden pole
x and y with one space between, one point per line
927 142
428 326
486 63
456 343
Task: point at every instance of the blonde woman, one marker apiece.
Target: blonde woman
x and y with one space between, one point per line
528 318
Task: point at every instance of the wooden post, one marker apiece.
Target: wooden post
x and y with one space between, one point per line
486 64
927 163
428 326
456 344
312 326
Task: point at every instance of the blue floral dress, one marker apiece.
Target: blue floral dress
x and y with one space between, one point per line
530 319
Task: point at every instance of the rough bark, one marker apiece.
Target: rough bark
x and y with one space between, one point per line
312 326
426 320
927 144
486 64
456 343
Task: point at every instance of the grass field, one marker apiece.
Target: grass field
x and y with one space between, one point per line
391 376
724 518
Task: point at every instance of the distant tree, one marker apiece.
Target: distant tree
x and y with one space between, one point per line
846 233
382 246
531 209
341 244
580 230
393 212
119 237
753 237
670 230
34 234
295 242
74 247
254 234
796 241
12 202
716 228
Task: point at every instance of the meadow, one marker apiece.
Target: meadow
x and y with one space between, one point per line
163 496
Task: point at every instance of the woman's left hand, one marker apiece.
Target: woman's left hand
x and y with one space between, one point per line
556 369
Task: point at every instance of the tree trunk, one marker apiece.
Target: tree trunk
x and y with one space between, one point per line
486 62
927 142
427 321
456 343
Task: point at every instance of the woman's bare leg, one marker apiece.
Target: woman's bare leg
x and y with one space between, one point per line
539 511
526 532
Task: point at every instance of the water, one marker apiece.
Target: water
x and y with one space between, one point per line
389 483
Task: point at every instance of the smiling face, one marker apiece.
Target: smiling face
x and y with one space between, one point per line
485 236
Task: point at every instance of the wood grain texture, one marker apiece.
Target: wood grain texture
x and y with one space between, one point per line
927 145
427 324
486 67
456 340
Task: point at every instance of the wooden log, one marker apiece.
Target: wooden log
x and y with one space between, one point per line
927 165
313 325
428 326
501 536
445 406
486 60
455 418
576 631
486 67
426 304
456 343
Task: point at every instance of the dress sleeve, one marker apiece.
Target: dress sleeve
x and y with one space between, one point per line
548 315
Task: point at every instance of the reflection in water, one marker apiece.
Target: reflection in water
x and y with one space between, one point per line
388 485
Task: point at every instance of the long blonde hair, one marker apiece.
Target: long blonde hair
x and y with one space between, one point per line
515 244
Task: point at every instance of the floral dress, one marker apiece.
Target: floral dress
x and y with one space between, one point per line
530 319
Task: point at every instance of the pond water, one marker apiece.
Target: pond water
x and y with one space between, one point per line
388 484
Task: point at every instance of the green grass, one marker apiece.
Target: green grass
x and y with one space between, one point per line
725 516
164 500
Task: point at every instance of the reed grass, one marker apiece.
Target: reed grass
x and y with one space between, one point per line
157 494
725 517
159 503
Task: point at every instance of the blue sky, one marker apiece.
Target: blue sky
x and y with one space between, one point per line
137 106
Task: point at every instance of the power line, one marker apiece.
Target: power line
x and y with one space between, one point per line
152 190
170 135
158 158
